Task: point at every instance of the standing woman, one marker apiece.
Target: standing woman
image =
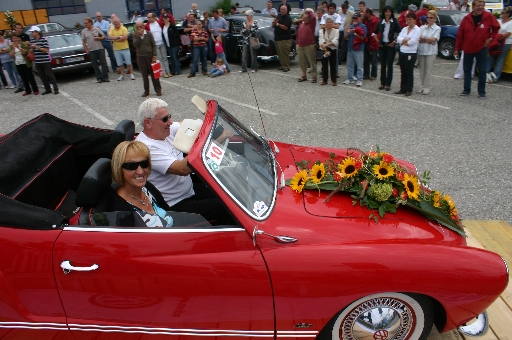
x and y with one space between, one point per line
505 31
408 40
8 62
306 44
18 51
250 30
41 49
427 50
328 42
172 40
388 30
199 38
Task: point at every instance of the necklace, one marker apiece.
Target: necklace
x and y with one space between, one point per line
143 201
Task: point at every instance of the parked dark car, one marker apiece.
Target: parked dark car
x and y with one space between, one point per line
267 51
184 55
67 52
449 22
48 27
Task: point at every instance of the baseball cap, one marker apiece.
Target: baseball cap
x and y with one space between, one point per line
34 28
356 15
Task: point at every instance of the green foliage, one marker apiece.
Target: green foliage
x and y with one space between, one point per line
78 26
10 19
225 5
497 14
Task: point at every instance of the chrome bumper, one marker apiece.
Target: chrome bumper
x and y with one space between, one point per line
478 327
267 58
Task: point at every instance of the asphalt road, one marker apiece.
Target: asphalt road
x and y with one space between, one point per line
464 141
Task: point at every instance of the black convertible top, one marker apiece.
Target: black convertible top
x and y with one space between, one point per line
39 162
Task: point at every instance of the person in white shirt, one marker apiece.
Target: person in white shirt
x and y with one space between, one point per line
506 35
155 27
170 172
408 40
427 50
454 5
270 10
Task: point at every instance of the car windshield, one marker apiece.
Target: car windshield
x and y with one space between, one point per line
243 165
439 3
457 17
64 41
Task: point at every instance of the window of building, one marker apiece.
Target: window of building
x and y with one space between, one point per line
61 7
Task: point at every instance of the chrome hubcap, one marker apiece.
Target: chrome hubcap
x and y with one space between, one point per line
378 319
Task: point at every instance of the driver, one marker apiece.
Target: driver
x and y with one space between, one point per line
170 172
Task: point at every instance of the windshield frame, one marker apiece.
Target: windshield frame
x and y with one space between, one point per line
227 117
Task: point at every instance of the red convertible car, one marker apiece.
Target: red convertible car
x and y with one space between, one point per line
291 267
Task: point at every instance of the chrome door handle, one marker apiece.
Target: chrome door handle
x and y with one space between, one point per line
67 267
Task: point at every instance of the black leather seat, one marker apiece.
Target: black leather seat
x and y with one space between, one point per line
125 130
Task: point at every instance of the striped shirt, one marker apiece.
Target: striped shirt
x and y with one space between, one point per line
41 57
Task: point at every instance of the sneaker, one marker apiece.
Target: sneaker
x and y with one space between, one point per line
481 96
354 77
464 93
253 71
120 78
242 71
132 76
488 78
348 82
359 83
493 77
12 87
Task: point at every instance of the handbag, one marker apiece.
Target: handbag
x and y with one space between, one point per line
30 56
157 69
254 42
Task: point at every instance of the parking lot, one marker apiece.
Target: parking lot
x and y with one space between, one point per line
464 141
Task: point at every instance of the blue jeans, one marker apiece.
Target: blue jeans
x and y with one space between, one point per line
2 76
223 56
500 61
108 45
355 58
174 61
481 64
199 52
370 62
215 72
13 74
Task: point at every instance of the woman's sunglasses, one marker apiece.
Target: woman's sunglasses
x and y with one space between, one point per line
131 166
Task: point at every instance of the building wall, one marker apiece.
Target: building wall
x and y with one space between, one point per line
107 7
15 5
68 20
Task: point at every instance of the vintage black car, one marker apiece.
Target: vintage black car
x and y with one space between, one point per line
233 40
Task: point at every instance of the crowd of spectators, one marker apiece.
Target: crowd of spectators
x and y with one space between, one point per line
358 38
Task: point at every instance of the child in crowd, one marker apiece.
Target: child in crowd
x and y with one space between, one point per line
219 50
219 69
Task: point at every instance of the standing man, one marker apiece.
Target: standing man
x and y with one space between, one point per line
25 38
362 9
401 19
320 11
454 5
422 12
145 45
103 25
476 31
355 54
345 21
41 49
92 37
154 26
283 37
370 56
216 26
119 35
270 10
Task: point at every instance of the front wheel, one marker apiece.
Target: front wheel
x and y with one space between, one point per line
384 316
446 48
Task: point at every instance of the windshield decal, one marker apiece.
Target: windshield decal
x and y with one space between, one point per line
259 208
215 154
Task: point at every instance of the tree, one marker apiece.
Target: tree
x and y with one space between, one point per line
10 19
225 5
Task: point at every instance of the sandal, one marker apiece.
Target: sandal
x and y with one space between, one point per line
314 80
303 78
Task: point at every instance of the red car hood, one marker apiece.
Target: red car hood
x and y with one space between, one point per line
339 212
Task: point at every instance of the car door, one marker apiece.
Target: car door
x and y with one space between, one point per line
180 282
232 47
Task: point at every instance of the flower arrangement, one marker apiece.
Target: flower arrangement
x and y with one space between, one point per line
10 19
378 182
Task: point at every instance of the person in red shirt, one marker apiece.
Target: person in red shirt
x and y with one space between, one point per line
422 12
165 11
401 19
371 55
476 31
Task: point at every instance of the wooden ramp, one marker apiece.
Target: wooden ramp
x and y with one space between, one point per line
495 236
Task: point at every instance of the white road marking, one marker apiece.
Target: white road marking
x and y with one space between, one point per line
353 87
473 80
224 99
87 108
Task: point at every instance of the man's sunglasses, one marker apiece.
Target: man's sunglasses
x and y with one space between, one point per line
163 119
132 166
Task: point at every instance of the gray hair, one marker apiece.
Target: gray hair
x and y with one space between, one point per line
249 12
329 18
148 108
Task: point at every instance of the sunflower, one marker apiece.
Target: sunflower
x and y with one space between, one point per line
348 167
411 186
317 172
383 170
436 196
299 180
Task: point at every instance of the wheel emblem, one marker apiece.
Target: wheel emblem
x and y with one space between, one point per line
381 334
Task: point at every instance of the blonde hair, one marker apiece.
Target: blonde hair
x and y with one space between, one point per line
220 61
119 156
433 13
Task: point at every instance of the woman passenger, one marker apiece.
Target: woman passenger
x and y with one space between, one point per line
131 166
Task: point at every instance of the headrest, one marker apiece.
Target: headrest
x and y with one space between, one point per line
125 130
97 179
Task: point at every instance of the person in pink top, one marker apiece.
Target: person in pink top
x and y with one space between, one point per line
306 44
219 50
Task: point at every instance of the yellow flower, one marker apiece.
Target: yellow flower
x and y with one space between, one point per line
383 170
299 180
436 196
411 186
449 201
317 172
348 167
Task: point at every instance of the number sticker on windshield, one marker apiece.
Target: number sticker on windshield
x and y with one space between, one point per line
215 153
259 208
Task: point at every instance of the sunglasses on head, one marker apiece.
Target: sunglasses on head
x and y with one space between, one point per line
163 119
131 166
